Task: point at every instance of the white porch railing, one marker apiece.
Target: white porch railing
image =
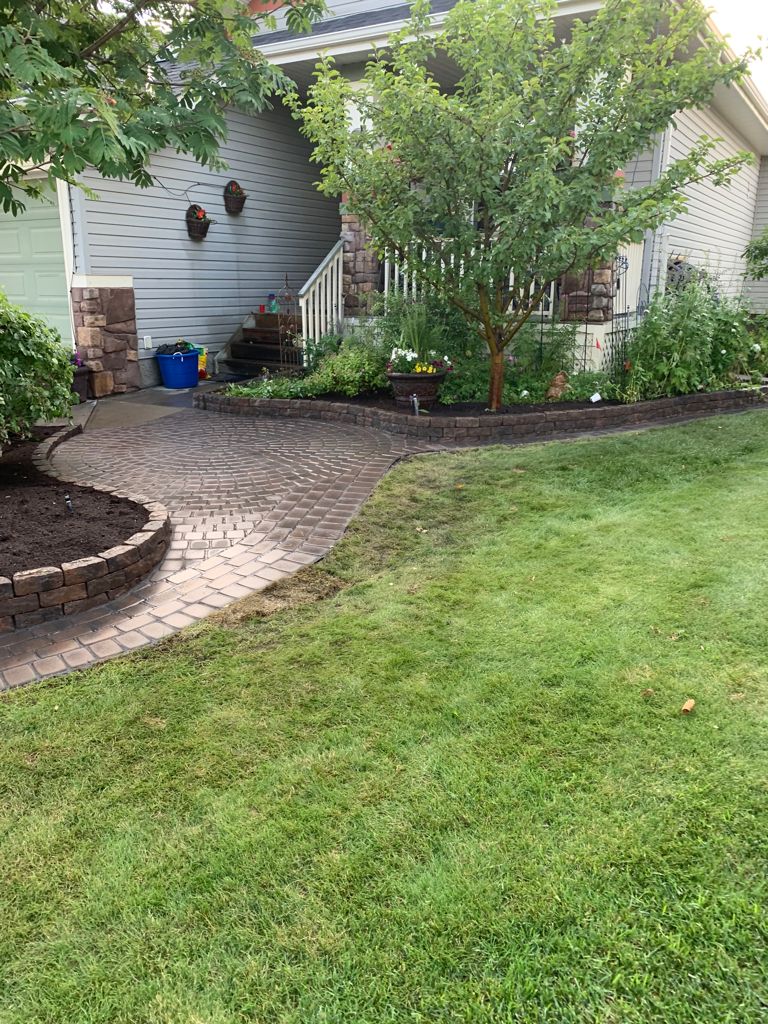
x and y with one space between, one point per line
321 299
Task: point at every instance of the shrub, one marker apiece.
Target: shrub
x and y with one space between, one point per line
316 351
356 368
35 372
581 386
691 339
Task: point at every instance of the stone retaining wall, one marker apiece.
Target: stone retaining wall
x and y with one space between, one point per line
38 595
552 423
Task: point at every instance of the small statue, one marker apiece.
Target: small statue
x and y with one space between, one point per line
557 386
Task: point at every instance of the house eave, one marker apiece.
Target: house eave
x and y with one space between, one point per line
742 104
363 39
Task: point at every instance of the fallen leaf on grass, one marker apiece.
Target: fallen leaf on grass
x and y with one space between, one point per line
647 693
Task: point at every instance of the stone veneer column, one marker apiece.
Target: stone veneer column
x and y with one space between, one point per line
105 325
588 296
361 266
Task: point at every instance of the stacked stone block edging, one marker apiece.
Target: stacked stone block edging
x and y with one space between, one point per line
490 427
38 595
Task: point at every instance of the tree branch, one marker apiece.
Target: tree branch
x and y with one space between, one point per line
120 26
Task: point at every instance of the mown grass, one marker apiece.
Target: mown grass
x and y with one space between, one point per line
444 793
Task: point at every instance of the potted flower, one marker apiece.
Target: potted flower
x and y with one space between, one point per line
416 368
198 222
234 197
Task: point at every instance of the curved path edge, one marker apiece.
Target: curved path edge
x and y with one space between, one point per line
302 524
47 593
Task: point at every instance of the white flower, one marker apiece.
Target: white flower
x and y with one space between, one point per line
525 394
722 352
757 348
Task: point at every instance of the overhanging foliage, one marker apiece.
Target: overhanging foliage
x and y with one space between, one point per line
109 84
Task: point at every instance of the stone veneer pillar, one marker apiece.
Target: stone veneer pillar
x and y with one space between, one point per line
588 296
361 266
107 343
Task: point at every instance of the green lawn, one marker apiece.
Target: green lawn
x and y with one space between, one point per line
443 794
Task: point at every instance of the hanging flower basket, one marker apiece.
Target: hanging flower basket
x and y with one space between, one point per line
198 222
234 197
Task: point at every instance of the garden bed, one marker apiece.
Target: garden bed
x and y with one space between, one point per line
454 426
54 561
384 401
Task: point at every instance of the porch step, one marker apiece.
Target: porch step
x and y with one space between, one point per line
272 327
251 368
253 351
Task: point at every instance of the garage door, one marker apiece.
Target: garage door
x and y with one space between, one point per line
32 264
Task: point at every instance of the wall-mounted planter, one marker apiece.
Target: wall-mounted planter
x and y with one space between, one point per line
234 197
197 226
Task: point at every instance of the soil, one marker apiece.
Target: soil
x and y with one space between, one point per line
36 529
384 400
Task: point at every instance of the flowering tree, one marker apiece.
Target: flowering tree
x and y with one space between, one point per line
492 189
109 84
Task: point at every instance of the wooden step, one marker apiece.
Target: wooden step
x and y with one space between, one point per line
251 368
254 351
285 321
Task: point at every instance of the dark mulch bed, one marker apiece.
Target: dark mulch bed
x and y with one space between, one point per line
384 400
35 527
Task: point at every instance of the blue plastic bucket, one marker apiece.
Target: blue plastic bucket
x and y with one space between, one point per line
179 370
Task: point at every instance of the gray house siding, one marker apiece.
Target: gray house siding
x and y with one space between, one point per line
718 223
639 172
758 290
202 290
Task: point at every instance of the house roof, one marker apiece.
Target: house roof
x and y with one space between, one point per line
350 23
351 36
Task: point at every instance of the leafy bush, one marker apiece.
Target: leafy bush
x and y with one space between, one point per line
691 339
316 351
581 386
538 353
356 368
35 372
540 350
756 255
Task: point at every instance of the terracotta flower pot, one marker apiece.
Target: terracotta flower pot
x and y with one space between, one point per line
426 387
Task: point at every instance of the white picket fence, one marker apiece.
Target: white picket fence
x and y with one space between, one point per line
629 269
321 299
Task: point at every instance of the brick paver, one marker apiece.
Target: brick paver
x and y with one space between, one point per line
251 501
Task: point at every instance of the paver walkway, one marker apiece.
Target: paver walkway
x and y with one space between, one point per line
251 501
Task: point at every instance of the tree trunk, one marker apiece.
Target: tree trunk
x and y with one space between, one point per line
497 381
